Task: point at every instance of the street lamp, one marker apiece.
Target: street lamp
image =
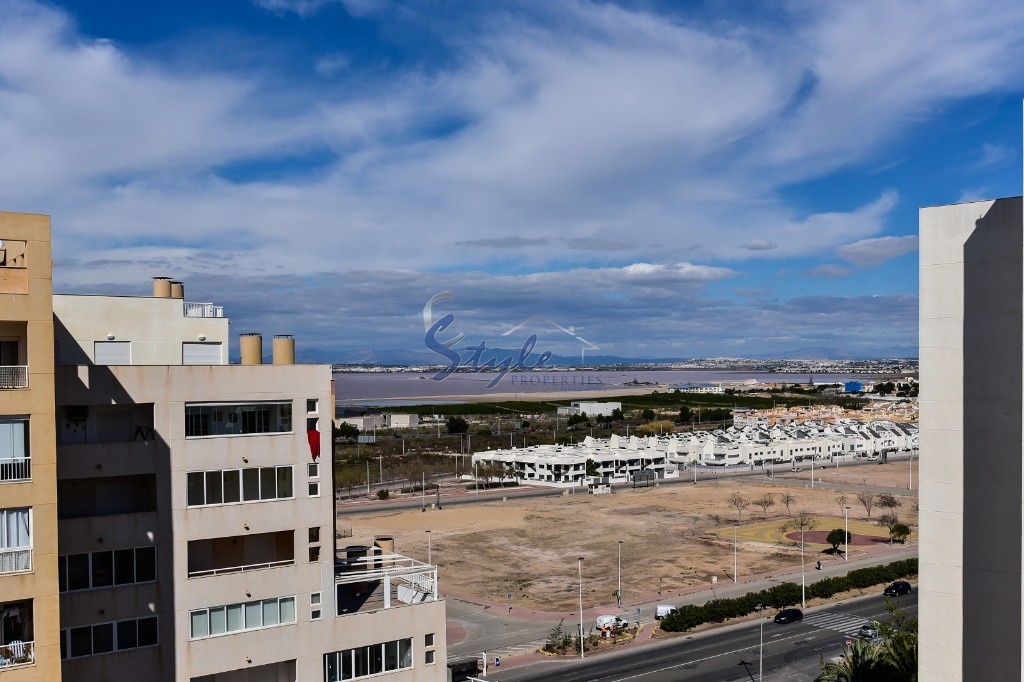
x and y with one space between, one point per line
760 653
803 570
618 593
846 538
581 607
735 560
428 548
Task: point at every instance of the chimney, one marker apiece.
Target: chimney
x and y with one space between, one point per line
284 349
177 290
161 287
251 346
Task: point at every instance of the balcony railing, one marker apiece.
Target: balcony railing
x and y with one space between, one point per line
203 310
17 654
240 569
13 376
15 560
15 469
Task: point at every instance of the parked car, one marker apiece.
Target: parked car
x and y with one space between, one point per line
868 631
789 615
898 588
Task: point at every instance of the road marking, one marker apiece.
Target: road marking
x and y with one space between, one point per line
839 622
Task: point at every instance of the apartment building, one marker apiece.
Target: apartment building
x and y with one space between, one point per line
972 338
196 515
28 492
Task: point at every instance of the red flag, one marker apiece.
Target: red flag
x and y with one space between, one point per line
314 442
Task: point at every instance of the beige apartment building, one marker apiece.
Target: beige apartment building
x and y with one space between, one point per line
196 518
165 515
28 491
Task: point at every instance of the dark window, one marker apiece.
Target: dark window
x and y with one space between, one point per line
81 641
124 566
197 422
284 482
63 645
256 420
78 572
214 489
102 638
62 575
376 658
250 484
196 489
127 635
314 553
232 486
268 484
102 569
145 564
314 534
147 631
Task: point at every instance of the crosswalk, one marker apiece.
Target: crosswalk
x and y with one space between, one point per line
840 622
517 649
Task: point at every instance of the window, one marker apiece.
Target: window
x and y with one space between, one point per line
429 657
106 569
369 660
314 488
15 540
314 554
314 602
312 470
312 405
14 451
428 639
229 486
253 615
314 534
234 419
428 645
103 638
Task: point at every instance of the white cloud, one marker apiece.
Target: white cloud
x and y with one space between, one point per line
869 253
830 271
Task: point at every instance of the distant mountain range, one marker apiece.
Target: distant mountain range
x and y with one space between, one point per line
402 357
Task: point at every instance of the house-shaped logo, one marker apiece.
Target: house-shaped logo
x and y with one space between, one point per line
571 331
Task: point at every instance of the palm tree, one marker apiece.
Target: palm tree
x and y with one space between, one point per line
861 662
900 657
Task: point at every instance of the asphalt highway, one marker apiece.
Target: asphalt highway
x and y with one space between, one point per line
791 651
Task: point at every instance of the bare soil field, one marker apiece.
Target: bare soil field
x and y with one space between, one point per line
671 541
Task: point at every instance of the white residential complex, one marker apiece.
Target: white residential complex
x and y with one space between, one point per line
619 459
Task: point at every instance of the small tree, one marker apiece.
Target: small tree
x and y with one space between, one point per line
765 502
836 537
647 414
868 500
888 501
899 533
841 502
716 519
787 499
456 424
591 468
739 503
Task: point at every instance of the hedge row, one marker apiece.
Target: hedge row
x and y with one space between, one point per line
780 596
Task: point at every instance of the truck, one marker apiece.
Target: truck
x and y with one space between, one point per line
608 624
662 610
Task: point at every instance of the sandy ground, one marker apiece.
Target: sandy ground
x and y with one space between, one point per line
894 474
529 548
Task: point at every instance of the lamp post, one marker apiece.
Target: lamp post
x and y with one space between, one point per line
803 570
735 560
760 648
618 593
581 608
846 538
428 549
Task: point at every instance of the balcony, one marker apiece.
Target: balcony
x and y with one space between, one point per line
16 560
16 654
380 581
13 376
15 469
203 310
240 553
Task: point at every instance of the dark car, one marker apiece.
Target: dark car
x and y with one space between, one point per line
898 588
789 615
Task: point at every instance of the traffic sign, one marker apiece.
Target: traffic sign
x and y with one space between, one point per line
497 661
509 595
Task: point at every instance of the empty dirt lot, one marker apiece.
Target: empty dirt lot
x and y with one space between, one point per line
670 540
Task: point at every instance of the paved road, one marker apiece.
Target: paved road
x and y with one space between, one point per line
791 652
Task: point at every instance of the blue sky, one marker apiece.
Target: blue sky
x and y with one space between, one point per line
670 179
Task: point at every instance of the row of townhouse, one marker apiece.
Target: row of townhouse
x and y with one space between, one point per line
165 515
619 459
